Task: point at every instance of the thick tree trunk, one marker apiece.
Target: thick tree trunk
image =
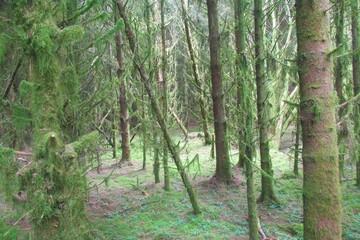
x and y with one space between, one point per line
156 108
267 189
321 194
201 96
223 165
123 102
355 29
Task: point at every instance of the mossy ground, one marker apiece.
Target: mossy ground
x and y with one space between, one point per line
131 206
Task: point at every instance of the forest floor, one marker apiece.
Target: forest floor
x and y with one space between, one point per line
125 203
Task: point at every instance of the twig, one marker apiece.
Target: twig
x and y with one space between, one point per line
262 234
16 223
23 168
23 153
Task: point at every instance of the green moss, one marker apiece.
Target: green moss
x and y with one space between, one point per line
70 34
4 40
87 142
9 183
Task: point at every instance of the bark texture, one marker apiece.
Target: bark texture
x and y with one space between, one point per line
321 194
355 26
201 94
223 165
267 189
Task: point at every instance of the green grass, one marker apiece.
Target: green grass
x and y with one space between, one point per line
131 206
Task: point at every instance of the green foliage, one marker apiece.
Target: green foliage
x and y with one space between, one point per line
8 168
110 33
87 142
25 89
4 40
70 34
21 117
10 231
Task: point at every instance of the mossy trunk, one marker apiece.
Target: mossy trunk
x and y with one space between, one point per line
340 71
56 189
201 94
263 108
246 146
156 167
223 166
242 75
123 99
355 29
157 111
321 190
297 143
164 93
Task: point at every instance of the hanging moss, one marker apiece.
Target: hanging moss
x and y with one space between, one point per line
21 117
70 34
87 142
9 183
4 39
110 33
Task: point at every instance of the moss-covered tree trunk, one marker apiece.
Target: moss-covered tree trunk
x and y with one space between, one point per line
339 77
355 29
321 193
164 92
242 74
263 108
223 165
123 100
201 94
246 146
56 190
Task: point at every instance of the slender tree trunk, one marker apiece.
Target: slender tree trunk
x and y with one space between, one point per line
355 29
242 74
123 102
159 116
246 146
223 165
321 191
267 189
339 77
297 143
201 94
164 93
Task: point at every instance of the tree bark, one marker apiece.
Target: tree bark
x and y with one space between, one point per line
321 190
123 102
355 29
223 165
263 108
201 94
246 146
339 78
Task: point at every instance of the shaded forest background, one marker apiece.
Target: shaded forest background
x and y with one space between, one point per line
187 119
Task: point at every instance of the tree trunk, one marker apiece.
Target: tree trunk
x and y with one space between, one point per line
339 78
321 191
246 146
201 94
355 29
267 189
164 93
223 165
123 103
